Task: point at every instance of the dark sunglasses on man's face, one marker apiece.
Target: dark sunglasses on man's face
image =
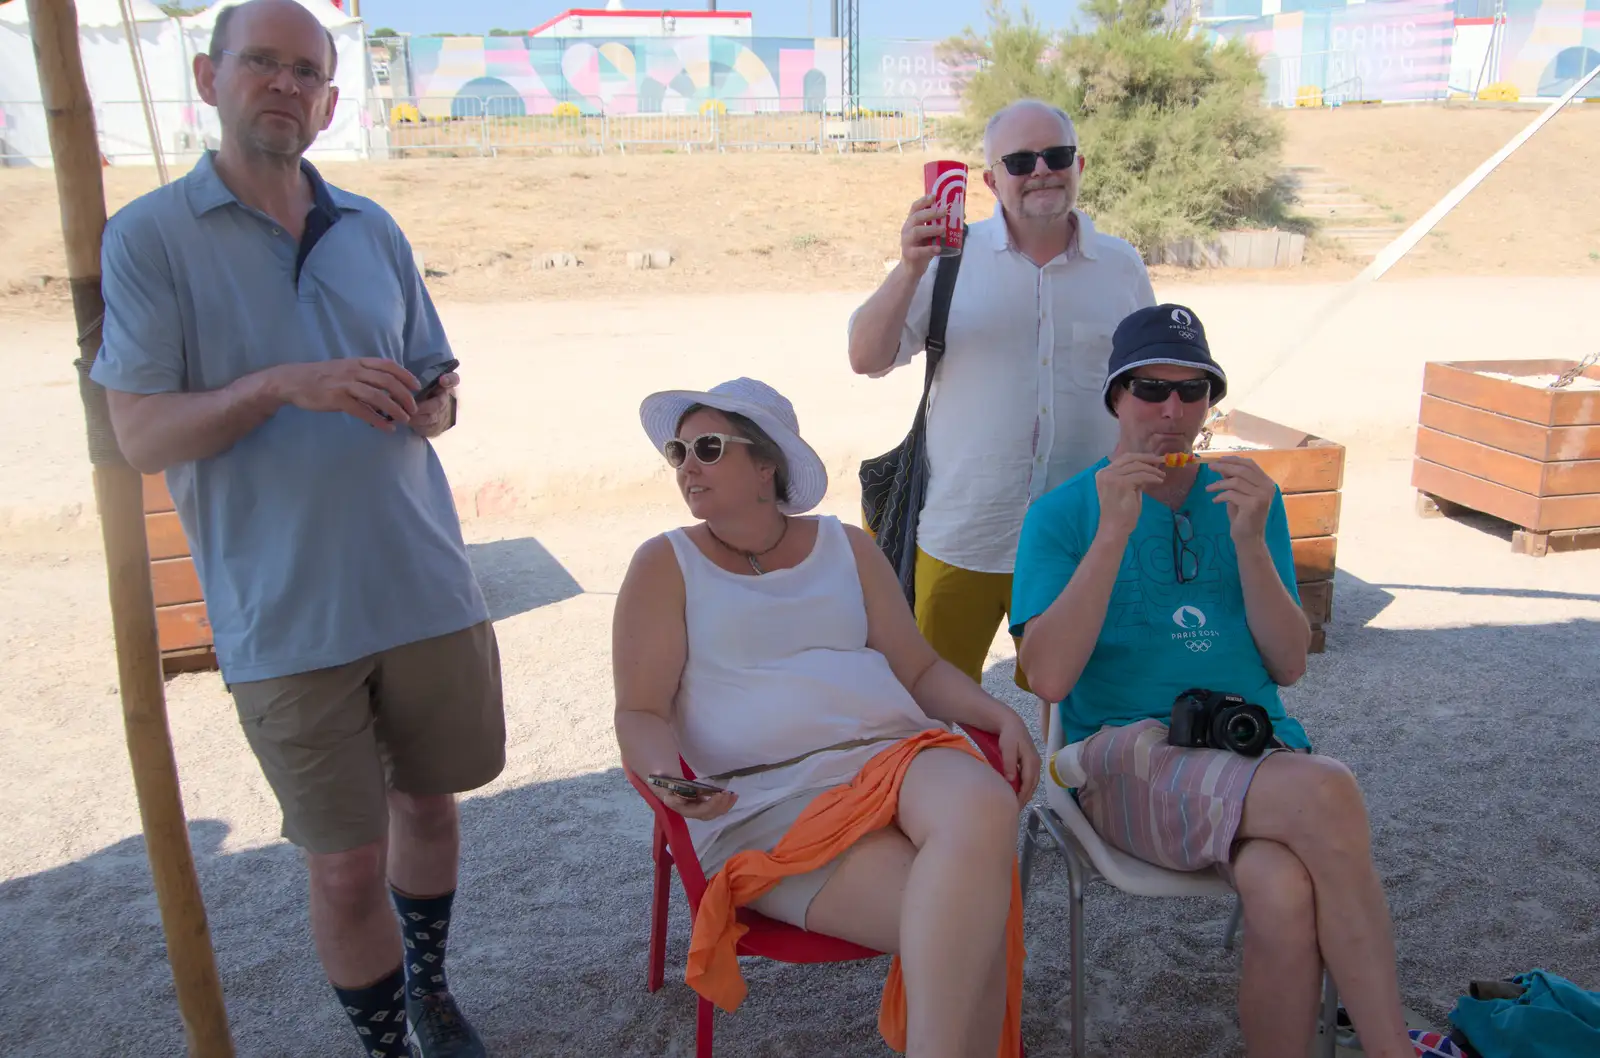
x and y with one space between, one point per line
707 448
1021 163
1156 390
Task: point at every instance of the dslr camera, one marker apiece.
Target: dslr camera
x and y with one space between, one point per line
1203 719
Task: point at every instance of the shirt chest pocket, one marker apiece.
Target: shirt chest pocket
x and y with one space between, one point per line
1087 357
363 311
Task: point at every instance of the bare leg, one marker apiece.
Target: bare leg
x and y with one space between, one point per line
356 933
936 891
424 843
983 1035
1313 806
862 899
1280 989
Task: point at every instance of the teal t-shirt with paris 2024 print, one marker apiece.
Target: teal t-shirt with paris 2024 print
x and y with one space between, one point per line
1160 637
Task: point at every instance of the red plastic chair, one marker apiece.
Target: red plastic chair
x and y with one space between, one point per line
766 937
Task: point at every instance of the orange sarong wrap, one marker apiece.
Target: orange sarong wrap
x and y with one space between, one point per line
834 821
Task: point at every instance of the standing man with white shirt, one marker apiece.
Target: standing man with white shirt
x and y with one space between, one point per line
1016 406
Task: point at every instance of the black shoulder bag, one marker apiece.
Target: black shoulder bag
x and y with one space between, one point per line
895 484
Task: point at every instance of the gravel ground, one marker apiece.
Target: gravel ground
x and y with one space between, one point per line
1459 683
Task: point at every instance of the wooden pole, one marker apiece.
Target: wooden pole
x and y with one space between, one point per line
119 494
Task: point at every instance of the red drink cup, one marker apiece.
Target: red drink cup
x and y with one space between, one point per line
947 183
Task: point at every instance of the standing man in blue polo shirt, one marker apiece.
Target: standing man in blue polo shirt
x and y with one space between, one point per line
1137 581
264 337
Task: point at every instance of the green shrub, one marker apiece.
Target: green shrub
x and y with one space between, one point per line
1178 141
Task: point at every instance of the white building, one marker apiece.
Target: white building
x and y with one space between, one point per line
617 21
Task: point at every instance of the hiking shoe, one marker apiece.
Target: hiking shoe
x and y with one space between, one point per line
438 1029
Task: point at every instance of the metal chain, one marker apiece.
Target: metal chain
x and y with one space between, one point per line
1566 377
1204 440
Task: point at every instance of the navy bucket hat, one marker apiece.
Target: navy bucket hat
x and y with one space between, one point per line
1161 334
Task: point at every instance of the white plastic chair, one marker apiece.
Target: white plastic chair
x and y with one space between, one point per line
1088 858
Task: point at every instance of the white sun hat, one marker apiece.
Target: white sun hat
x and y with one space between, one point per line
761 404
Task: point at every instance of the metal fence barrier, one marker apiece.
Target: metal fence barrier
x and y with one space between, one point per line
492 125
185 128
1323 71
486 126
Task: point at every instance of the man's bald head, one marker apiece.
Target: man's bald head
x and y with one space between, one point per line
1035 106
226 25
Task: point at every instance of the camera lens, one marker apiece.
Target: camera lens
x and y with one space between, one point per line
1244 729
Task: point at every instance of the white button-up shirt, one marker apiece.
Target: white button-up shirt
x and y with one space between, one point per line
1016 406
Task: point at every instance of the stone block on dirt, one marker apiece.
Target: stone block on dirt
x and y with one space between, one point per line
643 259
557 260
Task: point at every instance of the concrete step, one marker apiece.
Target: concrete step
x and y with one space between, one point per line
1331 198
1350 213
1374 232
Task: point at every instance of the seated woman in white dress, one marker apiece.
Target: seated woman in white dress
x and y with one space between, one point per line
778 656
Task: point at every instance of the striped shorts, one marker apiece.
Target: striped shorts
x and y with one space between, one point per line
1174 807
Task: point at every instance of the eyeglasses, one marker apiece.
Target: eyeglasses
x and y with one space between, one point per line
305 75
707 448
1156 390
1021 163
1185 560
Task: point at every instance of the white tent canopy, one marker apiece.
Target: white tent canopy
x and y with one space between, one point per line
326 13
96 13
184 123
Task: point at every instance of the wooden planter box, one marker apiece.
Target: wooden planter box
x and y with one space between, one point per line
1526 454
1310 472
182 630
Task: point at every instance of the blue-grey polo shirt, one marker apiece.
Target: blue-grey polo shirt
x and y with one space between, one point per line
318 539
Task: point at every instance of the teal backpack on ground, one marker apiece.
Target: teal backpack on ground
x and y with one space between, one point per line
1550 1018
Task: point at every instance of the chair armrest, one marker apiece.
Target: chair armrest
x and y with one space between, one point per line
676 832
989 744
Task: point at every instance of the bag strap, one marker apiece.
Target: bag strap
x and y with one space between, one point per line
944 285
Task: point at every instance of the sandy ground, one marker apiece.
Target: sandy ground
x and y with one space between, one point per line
550 389
771 221
1458 683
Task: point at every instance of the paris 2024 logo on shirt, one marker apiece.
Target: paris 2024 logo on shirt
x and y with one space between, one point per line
1191 620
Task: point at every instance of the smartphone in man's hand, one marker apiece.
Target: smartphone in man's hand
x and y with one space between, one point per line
430 381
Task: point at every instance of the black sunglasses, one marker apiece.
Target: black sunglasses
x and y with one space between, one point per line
1021 163
707 448
1156 390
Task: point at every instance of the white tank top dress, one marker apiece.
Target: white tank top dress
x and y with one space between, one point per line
778 666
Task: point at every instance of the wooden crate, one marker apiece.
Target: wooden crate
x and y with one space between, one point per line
1310 471
1526 454
182 630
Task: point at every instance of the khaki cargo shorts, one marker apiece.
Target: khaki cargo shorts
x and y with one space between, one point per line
426 718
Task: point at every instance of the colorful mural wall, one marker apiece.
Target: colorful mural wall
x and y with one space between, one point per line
1399 49
533 75
1548 46
1402 49
1395 49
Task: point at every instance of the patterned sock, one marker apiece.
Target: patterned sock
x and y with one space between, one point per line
425 921
378 1012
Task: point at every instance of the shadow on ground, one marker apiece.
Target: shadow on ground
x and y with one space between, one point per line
519 575
1475 746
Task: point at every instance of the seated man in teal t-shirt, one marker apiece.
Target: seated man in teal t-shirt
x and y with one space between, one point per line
1138 580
